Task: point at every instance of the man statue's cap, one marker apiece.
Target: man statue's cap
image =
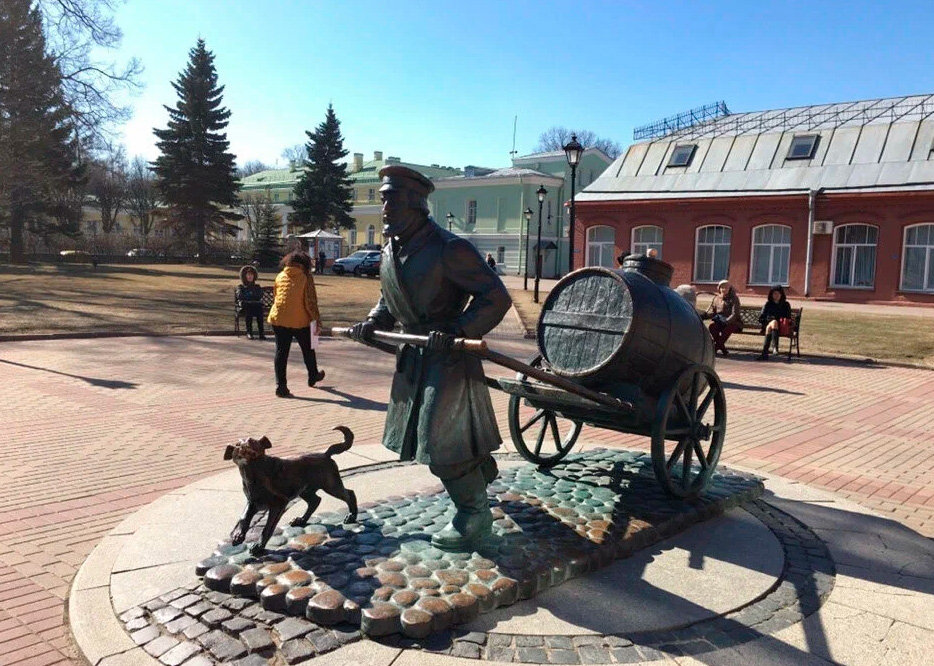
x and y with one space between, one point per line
396 177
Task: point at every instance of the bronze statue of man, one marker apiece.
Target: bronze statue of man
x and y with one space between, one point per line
435 283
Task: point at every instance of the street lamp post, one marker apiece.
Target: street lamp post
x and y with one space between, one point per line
450 218
573 151
541 192
528 220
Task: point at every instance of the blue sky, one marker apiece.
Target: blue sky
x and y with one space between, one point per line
440 82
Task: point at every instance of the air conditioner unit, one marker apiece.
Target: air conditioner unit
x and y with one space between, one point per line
823 226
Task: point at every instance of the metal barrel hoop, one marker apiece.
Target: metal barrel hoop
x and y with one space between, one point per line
684 416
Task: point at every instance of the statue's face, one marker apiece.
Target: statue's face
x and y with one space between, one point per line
397 213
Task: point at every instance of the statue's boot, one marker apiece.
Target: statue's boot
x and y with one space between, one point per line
473 521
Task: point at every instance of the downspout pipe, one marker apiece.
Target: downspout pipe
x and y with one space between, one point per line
812 206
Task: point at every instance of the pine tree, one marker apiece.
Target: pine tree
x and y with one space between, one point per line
195 174
266 245
323 193
38 150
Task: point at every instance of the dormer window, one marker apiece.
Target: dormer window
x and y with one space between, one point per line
802 147
681 156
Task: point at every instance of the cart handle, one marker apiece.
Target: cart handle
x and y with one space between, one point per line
479 348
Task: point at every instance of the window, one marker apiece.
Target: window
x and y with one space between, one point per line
918 258
370 235
854 256
471 216
500 255
352 237
681 156
712 254
802 147
771 254
601 246
371 194
647 238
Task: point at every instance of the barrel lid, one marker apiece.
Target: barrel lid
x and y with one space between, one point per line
656 270
584 321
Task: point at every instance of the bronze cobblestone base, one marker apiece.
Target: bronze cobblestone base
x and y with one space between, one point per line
295 606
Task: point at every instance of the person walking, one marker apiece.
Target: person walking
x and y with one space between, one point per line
294 310
322 262
250 297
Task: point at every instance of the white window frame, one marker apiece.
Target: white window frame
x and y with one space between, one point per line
371 195
686 162
371 235
501 255
928 261
833 257
713 279
588 243
752 256
352 237
635 245
470 212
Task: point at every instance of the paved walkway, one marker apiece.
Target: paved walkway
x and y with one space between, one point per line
98 428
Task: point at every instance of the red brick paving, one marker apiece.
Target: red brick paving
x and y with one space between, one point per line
80 456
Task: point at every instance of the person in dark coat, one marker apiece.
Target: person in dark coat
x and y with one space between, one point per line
440 413
322 262
250 297
775 309
490 261
724 311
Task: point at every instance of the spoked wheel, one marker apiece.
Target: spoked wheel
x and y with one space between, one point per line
541 436
687 435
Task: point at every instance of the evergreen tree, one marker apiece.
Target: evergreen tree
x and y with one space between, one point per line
38 151
195 174
266 244
323 193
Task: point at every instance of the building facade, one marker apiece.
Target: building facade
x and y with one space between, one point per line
832 201
486 206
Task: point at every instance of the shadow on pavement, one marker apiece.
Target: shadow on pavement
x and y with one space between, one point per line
93 381
761 389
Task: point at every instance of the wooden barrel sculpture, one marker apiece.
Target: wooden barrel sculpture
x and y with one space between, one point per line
601 326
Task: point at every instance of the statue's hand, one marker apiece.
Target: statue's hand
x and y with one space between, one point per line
363 330
440 341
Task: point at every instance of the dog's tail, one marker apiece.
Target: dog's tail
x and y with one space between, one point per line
343 446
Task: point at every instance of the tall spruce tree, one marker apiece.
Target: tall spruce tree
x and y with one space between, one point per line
267 247
195 174
323 193
38 149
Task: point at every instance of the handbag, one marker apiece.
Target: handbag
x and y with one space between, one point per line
785 327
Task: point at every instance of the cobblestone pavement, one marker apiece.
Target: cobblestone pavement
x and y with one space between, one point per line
98 428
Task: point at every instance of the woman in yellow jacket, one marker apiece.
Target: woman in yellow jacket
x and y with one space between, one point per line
295 306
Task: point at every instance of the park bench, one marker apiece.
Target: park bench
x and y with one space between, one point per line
238 307
751 326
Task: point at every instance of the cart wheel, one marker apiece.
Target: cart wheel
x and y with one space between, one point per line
683 424
554 435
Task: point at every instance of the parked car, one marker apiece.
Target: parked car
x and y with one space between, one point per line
349 264
369 266
76 257
142 252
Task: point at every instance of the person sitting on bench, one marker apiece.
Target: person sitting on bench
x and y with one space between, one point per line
775 319
724 311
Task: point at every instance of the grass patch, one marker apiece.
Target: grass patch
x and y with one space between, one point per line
149 298
893 338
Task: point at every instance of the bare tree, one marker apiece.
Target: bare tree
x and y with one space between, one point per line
142 197
254 207
78 33
251 167
107 183
295 154
555 138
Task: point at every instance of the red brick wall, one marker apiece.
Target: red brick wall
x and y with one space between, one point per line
891 212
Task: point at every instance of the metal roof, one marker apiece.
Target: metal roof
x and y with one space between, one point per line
507 172
869 145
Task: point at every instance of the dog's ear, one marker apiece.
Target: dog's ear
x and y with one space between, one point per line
264 441
228 452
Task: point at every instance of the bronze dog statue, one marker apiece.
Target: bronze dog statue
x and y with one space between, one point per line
271 483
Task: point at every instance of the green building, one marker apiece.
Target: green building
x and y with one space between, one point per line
279 184
486 207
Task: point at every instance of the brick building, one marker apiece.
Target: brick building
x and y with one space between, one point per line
735 196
